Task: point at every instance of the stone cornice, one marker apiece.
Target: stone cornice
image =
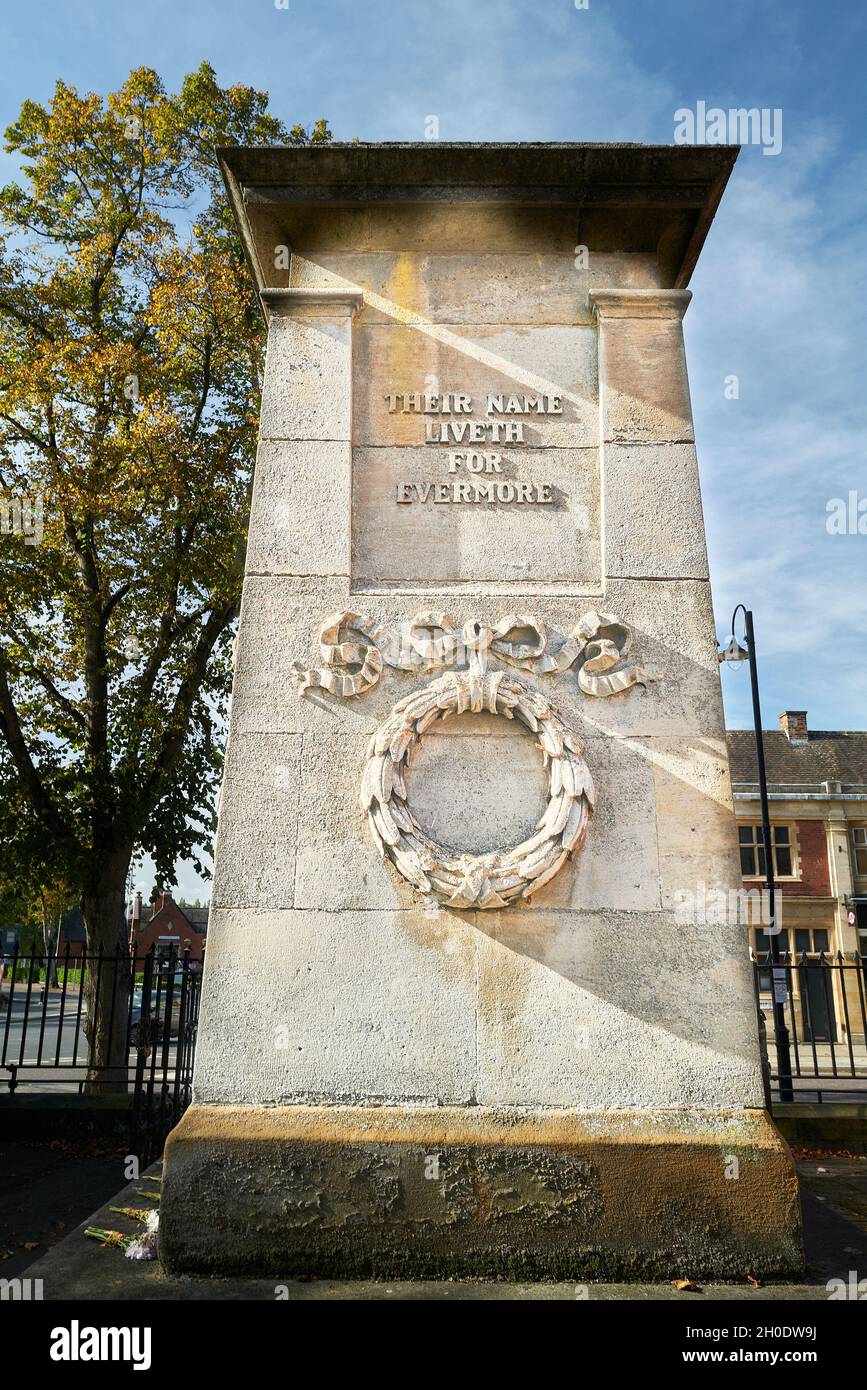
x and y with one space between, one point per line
640 304
312 299
659 199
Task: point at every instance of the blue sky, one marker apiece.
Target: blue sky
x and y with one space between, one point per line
780 292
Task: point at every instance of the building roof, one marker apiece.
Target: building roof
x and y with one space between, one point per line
196 916
826 756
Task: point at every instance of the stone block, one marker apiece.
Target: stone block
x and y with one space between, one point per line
430 542
379 1192
338 865
654 527
459 287
299 519
645 390
697 833
308 379
354 1006
255 850
674 642
618 865
554 360
613 1009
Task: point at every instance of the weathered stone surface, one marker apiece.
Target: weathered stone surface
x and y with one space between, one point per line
459 288
255 850
561 997
299 516
694 810
338 866
444 230
480 788
618 867
363 1006
348 1191
477 783
524 361
442 542
653 517
308 384
645 390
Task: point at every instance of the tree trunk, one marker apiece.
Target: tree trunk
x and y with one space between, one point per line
108 978
50 948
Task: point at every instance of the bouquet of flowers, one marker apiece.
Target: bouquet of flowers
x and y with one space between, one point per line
142 1246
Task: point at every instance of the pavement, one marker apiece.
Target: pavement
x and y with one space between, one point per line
49 1188
834 1197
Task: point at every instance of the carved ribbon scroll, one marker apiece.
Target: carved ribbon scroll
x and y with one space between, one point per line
598 646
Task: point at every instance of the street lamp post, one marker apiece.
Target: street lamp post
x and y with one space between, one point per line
733 655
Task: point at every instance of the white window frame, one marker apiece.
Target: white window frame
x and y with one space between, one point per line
792 847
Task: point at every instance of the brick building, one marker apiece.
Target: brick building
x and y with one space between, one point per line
168 926
72 938
817 789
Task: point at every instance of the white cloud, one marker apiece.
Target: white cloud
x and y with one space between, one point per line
780 302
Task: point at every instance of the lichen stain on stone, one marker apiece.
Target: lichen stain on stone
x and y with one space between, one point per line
405 288
348 1191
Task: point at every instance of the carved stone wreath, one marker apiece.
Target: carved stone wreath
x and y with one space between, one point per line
477 880
596 650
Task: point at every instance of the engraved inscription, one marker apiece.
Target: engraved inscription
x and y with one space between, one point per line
458 429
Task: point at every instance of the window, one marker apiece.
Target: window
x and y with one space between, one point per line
859 848
811 941
752 843
763 942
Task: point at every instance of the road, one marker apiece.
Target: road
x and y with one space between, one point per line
59 1048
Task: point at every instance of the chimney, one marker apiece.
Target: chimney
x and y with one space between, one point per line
793 723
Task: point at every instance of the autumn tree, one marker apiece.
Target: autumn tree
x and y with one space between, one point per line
130 368
35 891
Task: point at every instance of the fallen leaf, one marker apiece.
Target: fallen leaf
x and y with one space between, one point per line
686 1286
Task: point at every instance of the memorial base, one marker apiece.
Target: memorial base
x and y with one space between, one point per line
408 1192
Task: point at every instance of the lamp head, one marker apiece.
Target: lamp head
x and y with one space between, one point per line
733 654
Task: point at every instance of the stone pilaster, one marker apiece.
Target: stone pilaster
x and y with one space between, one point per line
653 525
299 532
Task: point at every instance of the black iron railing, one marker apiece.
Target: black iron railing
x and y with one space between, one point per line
824 1002
152 1006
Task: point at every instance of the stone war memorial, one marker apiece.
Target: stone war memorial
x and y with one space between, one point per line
455 1019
